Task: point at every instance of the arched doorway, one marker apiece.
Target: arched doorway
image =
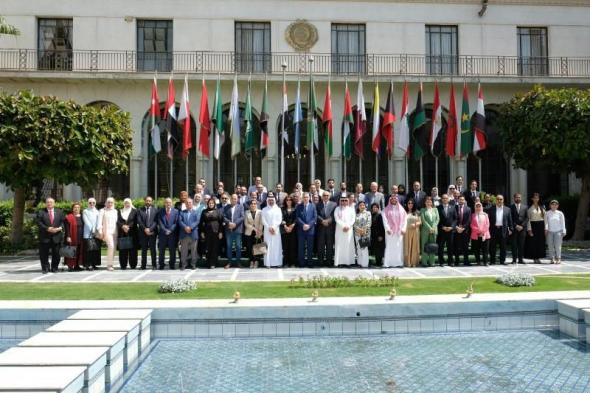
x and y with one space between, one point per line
495 166
374 167
432 176
232 172
179 168
298 169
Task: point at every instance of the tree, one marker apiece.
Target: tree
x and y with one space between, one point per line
7 29
47 138
550 128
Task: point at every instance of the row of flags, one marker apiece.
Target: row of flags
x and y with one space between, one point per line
462 136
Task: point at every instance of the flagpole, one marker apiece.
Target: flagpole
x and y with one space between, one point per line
377 168
421 170
344 139
170 191
284 67
312 144
360 169
479 172
436 171
155 154
297 137
407 169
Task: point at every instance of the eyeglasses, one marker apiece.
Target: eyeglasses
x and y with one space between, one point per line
224 199
91 203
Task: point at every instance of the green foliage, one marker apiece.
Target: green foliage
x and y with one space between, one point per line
548 128
47 138
30 236
7 29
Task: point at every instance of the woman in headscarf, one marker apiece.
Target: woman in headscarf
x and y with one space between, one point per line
107 228
362 234
210 229
394 222
74 234
377 234
91 244
127 228
428 231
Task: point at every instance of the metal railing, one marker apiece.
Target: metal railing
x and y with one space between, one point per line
231 62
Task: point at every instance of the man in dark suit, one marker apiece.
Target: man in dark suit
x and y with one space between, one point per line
446 229
148 224
417 195
51 226
167 234
233 220
462 231
471 194
336 197
306 216
325 230
331 188
520 220
501 228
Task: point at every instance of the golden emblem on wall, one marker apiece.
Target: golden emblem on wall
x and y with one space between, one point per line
301 35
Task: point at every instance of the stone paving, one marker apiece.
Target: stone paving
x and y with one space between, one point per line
27 269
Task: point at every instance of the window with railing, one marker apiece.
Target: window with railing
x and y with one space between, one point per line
252 45
532 51
154 45
348 48
54 47
441 50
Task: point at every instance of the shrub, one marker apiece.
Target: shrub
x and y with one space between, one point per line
516 280
177 286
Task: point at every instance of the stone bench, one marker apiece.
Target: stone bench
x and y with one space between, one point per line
42 379
571 317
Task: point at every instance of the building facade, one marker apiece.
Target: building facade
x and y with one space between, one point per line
107 53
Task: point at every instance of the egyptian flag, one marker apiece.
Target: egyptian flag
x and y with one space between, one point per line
388 121
155 118
204 121
453 141
479 124
170 117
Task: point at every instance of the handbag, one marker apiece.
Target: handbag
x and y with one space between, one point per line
67 251
92 244
125 243
431 248
259 248
364 242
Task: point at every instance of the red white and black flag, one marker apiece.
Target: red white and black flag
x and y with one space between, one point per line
170 117
479 124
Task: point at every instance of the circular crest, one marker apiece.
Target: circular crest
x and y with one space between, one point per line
301 35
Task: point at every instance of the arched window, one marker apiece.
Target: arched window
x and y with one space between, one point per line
495 166
179 168
374 166
244 161
291 159
430 159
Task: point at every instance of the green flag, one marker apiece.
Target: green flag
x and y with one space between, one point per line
419 131
312 121
466 133
249 145
217 120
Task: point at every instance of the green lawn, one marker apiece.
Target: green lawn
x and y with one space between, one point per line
225 290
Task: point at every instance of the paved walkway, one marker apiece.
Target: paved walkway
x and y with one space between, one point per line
27 269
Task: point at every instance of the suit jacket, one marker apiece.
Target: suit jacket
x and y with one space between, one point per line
325 214
507 223
417 197
238 218
377 197
400 198
250 223
521 217
307 216
44 223
189 218
447 220
469 199
280 198
465 222
333 194
131 221
143 221
167 224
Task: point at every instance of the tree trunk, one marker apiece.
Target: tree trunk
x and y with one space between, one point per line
18 213
583 206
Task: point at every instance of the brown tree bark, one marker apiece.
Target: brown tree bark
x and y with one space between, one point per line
583 206
18 214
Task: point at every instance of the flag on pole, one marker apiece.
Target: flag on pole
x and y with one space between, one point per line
376 141
388 121
297 119
234 120
170 116
155 118
184 117
327 120
347 124
404 130
419 128
360 121
218 120
264 118
466 134
453 136
249 143
204 121
436 118
285 114
479 126
312 121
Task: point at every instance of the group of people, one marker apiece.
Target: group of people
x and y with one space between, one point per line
318 227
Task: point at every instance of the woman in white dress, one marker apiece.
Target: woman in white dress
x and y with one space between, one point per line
362 230
344 216
394 222
272 217
107 228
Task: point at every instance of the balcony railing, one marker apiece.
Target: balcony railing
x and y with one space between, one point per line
231 62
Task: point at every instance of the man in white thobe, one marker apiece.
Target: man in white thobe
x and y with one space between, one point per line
394 222
272 217
344 215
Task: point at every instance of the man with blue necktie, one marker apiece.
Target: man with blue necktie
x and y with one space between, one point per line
188 223
167 235
306 220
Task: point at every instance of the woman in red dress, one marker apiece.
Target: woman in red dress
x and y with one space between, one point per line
74 232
